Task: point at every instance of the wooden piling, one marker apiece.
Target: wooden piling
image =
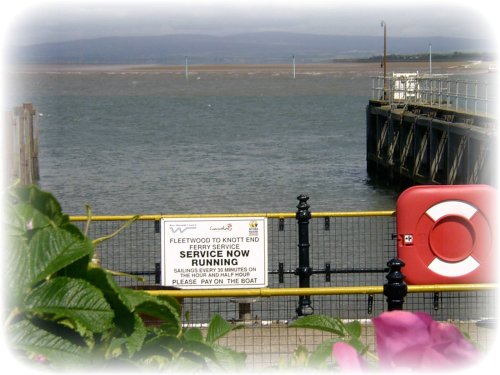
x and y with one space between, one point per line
22 144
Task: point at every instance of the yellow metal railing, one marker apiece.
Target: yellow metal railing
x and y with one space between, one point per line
275 292
273 215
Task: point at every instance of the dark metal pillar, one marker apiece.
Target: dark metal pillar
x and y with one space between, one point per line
304 271
395 289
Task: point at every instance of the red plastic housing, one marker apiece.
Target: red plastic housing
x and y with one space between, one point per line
446 234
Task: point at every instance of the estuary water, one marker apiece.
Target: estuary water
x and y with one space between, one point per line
148 141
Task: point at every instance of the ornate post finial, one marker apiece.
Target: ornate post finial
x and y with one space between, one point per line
395 289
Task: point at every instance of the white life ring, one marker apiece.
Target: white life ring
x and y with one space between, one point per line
453 209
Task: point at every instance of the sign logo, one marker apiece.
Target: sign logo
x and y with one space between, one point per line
253 228
222 228
181 228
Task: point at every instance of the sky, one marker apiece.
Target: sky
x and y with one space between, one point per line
40 21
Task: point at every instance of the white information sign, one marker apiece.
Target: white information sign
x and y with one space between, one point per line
214 253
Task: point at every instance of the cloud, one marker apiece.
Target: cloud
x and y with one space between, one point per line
49 21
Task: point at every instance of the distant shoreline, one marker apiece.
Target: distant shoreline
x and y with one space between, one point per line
443 67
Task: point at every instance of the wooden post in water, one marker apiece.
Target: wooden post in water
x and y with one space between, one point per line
22 144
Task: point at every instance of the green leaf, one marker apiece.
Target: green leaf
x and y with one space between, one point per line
200 349
320 322
322 352
171 321
54 242
189 362
52 249
228 358
127 302
217 328
357 344
44 205
18 223
114 294
77 270
133 298
300 356
160 345
28 337
158 308
115 347
165 309
127 323
135 340
17 281
29 218
193 334
74 299
353 328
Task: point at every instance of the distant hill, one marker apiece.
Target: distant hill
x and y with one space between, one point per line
448 56
265 47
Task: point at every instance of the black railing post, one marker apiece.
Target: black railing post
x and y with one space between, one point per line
304 271
395 289
157 273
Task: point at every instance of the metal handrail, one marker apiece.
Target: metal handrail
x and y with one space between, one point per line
276 292
474 97
274 215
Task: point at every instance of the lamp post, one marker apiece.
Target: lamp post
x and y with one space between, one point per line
383 24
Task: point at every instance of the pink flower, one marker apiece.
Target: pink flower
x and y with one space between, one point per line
348 358
414 340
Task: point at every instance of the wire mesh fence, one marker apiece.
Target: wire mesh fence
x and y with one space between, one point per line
346 249
270 342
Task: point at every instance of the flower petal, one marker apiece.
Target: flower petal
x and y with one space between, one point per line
449 341
348 358
397 331
444 332
414 340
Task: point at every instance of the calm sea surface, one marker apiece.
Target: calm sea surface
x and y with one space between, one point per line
151 142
